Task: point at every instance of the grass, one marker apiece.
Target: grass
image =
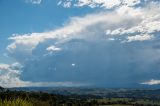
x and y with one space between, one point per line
16 102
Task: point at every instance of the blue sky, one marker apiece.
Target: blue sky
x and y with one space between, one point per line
20 17
79 43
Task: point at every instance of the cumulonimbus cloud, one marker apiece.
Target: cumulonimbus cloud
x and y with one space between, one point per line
123 21
97 43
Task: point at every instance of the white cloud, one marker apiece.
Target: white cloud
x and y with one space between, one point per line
10 77
107 4
28 42
101 3
4 66
139 37
73 64
34 1
67 5
76 28
122 21
53 48
133 24
130 11
111 39
148 25
152 82
131 2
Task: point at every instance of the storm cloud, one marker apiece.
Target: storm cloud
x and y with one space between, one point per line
115 48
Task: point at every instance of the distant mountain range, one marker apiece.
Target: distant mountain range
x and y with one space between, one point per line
97 92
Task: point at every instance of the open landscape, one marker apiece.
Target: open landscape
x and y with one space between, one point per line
79 52
79 97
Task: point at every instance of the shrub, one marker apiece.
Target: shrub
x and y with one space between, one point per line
16 102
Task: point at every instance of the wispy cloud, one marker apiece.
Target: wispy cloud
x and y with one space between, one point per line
152 82
65 4
34 1
107 4
139 38
53 48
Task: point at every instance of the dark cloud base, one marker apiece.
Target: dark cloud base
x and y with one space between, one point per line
101 63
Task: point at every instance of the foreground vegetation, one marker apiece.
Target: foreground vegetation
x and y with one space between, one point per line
15 102
23 98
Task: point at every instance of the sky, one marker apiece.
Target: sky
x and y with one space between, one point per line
77 43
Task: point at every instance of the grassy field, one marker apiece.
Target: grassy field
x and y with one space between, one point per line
16 102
